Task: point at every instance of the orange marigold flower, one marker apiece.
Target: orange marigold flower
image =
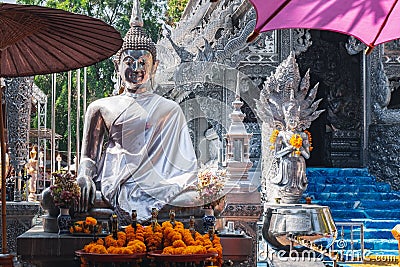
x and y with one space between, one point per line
309 139
137 246
273 136
178 243
91 221
296 141
153 240
110 241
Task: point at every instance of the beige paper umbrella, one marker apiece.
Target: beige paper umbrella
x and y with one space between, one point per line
39 40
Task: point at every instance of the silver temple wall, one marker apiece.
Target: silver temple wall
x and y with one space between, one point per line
217 33
359 91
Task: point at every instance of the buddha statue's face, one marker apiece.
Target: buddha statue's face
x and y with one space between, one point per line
136 69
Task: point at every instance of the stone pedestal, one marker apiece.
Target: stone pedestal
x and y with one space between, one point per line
49 249
244 209
19 220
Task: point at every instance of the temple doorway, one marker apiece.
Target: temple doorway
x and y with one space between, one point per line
337 133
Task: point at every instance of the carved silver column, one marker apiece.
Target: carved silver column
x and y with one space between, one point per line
18 100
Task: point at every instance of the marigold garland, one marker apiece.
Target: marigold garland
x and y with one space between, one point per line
109 245
90 221
309 139
87 226
153 239
120 242
273 137
297 142
180 240
214 246
134 234
171 232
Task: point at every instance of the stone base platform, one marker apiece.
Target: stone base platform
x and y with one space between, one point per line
49 249
19 218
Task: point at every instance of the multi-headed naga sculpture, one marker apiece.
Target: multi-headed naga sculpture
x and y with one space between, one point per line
287 99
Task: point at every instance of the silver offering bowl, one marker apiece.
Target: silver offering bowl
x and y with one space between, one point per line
298 226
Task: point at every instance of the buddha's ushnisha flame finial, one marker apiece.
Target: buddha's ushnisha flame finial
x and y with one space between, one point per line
136 38
136 17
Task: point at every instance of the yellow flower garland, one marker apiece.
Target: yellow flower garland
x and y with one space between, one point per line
180 240
309 139
297 142
153 239
134 234
171 233
214 246
86 226
272 138
111 242
90 221
111 246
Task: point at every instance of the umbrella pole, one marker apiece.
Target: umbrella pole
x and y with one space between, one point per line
3 179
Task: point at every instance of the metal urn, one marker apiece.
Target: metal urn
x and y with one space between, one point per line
299 226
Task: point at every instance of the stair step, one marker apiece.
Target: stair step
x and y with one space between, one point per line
345 180
372 223
378 234
346 214
356 204
383 214
368 214
342 188
370 244
341 172
381 244
358 196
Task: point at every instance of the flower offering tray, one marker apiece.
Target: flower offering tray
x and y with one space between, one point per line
158 256
87 235
109 257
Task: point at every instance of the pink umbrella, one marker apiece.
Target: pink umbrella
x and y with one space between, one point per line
371 21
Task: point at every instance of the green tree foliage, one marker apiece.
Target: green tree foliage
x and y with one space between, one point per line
175 10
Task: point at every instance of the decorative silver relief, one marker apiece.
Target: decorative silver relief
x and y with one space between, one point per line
231 50
301 40
18 99
354 46
384 130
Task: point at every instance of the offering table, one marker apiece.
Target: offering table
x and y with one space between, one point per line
50 249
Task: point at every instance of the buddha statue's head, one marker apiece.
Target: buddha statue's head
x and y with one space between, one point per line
136 61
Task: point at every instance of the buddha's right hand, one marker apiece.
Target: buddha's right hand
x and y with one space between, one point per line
88 193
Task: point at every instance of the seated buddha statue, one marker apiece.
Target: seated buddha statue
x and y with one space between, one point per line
148 160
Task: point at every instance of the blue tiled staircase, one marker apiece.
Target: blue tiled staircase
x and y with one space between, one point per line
355 195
